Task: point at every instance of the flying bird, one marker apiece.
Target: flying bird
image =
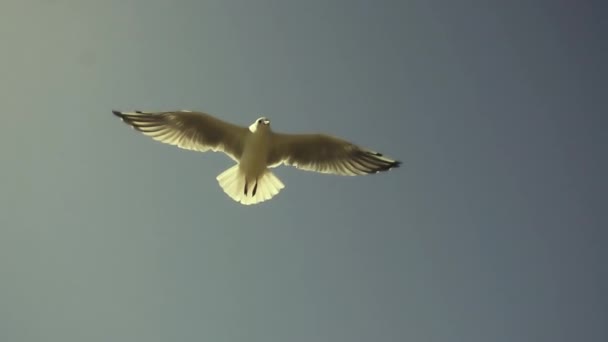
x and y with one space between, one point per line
256 149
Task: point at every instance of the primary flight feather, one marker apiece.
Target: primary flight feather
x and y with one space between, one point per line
256 149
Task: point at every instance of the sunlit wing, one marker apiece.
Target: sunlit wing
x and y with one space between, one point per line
189 130
326 154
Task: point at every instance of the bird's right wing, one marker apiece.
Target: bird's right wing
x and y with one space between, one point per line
189 130
326 154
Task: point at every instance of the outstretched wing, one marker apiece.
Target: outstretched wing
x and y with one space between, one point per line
189 130
326 154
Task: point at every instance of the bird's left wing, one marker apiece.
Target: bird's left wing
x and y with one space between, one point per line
326 154
189 130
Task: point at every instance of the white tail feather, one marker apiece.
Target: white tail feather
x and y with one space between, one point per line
233 180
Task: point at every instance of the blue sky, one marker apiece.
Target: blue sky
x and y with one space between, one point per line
493 229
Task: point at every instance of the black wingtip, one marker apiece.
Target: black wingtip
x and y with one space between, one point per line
117 113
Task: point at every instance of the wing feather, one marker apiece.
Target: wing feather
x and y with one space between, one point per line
326 154
189 130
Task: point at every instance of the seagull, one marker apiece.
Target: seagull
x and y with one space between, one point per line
256 149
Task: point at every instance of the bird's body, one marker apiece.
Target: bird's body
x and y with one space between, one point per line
256 149
250 181
254 159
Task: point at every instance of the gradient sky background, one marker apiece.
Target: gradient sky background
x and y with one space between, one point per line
494 229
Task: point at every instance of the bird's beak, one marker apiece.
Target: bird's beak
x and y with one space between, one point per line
266 122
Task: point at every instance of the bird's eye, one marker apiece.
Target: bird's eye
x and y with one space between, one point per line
260 121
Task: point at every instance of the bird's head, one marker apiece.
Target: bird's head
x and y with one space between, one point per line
260 123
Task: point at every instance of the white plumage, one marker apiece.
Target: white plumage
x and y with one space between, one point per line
256 149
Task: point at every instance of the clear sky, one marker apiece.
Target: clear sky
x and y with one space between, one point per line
493 229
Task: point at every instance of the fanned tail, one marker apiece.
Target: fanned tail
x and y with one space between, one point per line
249 191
